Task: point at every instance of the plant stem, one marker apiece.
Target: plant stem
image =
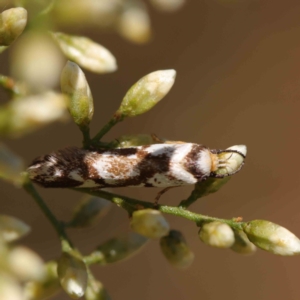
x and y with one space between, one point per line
86 136
131 205
106 128
59 228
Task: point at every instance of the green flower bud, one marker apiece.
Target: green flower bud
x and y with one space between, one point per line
12 24
46 288
11 167
25 264
176 250
150 223
272 237
217 234
74 84
146 93
12 228
119 248
230 162
89 210
210 185
86 53
96 291
242 245
73 276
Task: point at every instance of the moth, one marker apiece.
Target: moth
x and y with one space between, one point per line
161 165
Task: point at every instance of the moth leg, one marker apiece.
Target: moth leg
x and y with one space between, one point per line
161 193
155 138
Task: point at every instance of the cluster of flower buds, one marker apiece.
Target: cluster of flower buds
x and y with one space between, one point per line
152 224
263 234
18 264
129 18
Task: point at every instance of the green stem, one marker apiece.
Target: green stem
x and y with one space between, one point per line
86 136
29 188
106 128
131 205
194 196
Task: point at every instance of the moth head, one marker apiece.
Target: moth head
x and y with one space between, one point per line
227 162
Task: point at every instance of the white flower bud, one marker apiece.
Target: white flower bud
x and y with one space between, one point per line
46 288
272 237
120 248
217 234
37 61
242 245
176 250
12 228
74 84
27 114
96 291
146 93
73 276
86 53
12 24
134 24
231 162
149 223
89 210
25 264
10 289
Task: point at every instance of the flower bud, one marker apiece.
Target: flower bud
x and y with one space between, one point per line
120 248
23 115
242 245
73 276
210 185
231 162
74 84
272 237
134 23
11 167
149 223
10 289
217 234
36 61
46 288
176 250
96 291
146 93
12 24
25 264
12 228
86 53
89 210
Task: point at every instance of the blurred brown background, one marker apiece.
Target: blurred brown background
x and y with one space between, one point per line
238 81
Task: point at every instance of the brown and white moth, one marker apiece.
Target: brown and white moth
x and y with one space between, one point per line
157 165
